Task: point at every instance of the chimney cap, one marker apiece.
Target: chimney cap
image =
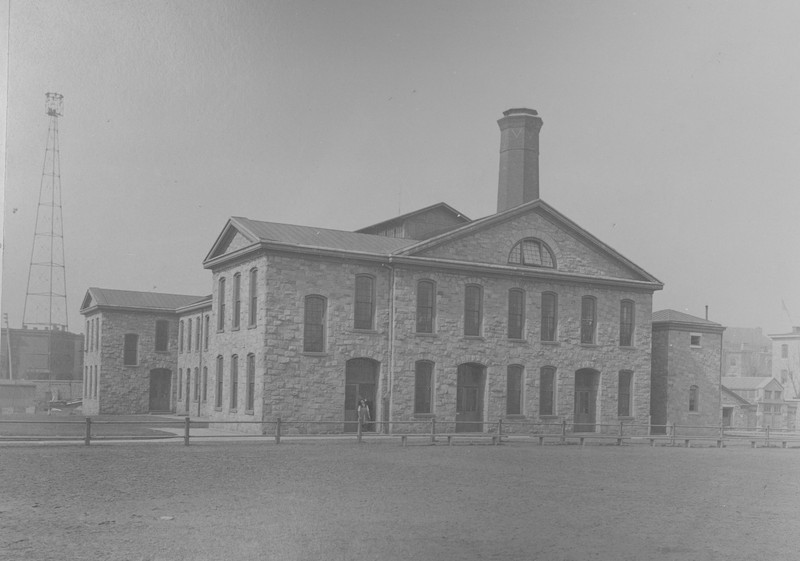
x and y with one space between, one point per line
520 111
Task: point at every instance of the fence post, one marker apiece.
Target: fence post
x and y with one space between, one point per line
767 436
359 430
278 431
672 434
433 431
87 438
563 430
500 431
186 423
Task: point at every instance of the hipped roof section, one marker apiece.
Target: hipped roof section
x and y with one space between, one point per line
135 300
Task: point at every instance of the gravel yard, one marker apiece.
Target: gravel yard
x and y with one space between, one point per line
380 501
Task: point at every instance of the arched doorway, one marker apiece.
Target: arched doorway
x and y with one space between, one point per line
586 383
360 382
160 389
469 397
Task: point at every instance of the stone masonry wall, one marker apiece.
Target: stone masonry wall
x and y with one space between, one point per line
448 347
125 390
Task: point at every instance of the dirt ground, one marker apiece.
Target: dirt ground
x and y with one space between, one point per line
380 501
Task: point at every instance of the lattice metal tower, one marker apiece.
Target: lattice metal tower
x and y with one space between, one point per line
46 298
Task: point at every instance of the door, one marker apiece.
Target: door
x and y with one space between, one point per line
585 400
469 398
361 377
727 416
160 387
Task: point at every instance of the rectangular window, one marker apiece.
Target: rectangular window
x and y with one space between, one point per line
205 334
237 300
218 396
197 384
251 381
588 319
234 382
624 394
162 335
514 390
425 306
130 355
784 351
197 330
548 316
626 323
777 394
253 300
205 383
221 305
314 325
473 309
180 384
423 386
694 396
188 335
97 334
180 337
87 338
547 391
694 340
516 313
365 302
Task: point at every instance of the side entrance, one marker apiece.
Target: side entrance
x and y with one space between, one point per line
160 389
360 382
469 397
586 383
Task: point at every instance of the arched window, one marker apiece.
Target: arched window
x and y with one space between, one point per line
532 253
694 399
516 313
588 319
473 310
314 325
514 390
221 305
549 316
365 302
423 386
426 306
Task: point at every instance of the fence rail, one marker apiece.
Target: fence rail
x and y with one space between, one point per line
502 430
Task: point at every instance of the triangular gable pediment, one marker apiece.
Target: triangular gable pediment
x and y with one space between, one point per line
88 301
490 241
234 236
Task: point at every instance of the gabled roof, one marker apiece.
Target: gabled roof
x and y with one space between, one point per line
413 214
509 214
673 316
292 235
735 396
748 382
134 300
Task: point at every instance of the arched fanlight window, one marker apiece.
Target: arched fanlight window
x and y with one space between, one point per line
532 253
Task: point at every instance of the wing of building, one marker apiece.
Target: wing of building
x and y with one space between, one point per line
521 315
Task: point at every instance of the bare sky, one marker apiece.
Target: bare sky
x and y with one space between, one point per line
671 131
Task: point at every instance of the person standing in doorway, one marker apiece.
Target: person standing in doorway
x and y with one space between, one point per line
363 413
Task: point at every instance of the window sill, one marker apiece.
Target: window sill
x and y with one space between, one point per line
548 417
313 354
517 341
553 343
252 326
161 352
517 417
218 409
368 331
424 415
248 412
234 410
627 347
474 338
423 334
235 328
626 418
589 345
130 365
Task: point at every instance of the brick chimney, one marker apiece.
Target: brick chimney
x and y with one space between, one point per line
519 158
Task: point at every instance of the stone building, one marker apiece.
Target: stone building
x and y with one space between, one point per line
786 361
686 372
131 350
521 315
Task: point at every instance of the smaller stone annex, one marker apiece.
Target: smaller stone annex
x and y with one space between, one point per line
520 315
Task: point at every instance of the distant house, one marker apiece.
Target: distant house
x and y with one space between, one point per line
686 371
737 412
764 395
786 361
746 352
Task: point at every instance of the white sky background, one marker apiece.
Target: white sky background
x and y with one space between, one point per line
671 131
